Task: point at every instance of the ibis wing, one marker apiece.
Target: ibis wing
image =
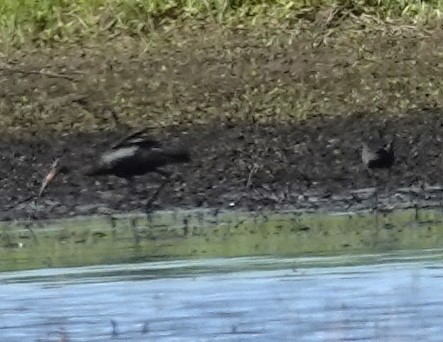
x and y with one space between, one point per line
118 156
124 141
128 161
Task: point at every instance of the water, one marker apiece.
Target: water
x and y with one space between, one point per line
387 297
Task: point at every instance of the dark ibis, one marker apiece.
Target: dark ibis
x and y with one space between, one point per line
133 155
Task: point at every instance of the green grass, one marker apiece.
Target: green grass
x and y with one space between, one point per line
91 241
264 60
49 21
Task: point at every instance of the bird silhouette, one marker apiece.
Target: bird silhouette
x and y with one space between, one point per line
133 155
136 155
379 158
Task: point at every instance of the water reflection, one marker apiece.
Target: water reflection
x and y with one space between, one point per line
375 298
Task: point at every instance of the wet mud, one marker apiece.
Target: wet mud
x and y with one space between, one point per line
311 165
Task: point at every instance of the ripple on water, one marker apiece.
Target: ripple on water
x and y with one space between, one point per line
259 299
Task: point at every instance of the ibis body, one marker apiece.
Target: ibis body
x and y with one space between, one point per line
379 158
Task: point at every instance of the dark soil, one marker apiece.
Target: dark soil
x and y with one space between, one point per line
304 165
284 113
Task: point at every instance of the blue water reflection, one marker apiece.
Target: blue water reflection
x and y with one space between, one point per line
245 299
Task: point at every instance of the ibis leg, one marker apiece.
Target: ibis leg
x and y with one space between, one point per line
376 195
389 184
155 195
132 185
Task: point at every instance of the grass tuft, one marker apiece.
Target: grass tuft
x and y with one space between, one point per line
193 61
51 21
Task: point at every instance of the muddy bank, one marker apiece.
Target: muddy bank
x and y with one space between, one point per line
281 109
304 165
221 73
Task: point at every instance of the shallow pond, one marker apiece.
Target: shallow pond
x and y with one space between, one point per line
383 297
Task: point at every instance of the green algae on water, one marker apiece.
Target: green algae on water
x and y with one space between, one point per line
201 234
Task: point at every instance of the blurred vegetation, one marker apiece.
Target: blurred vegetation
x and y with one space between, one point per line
49 21
193 61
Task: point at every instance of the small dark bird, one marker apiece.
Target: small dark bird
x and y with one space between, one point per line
380 158
134 155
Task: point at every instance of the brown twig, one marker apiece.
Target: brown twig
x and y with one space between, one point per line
255 167
48 177
36 72
24 200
